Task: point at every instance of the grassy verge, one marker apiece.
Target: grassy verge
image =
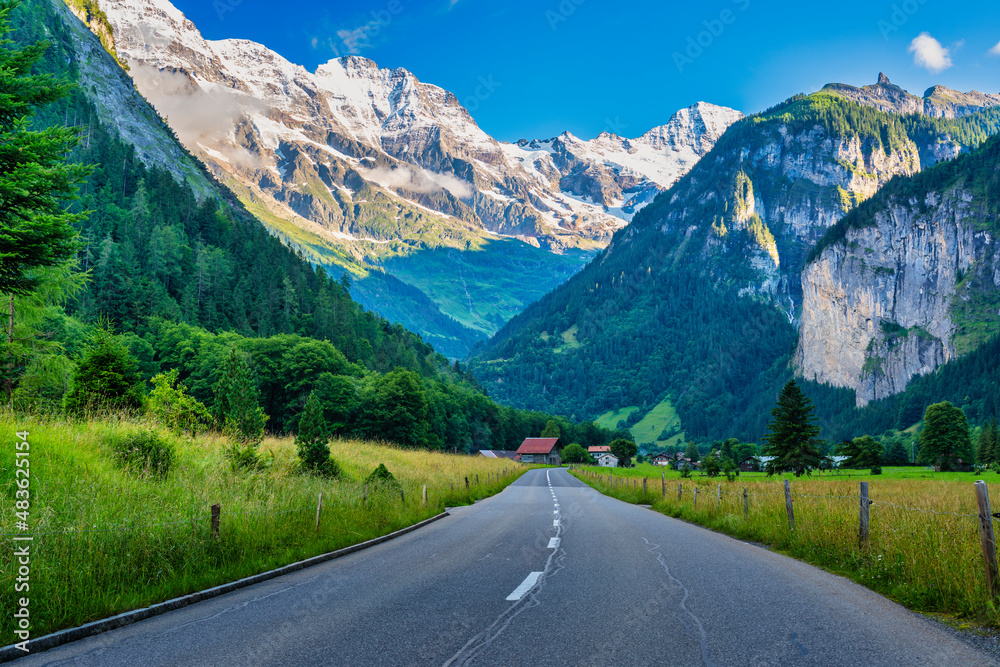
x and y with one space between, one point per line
106 541
924 549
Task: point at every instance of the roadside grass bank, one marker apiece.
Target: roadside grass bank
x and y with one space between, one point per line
924 547
107 540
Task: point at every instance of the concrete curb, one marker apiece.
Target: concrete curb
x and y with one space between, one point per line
44 643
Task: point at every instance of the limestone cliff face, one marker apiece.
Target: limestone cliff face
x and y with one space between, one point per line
888 301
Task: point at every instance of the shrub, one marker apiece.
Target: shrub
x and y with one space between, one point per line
382 476
876 470
170 405
143 452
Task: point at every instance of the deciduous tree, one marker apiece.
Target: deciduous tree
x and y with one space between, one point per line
623 450
944 438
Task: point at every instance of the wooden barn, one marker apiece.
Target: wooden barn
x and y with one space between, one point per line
540 450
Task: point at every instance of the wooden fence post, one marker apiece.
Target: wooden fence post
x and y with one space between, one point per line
986 537
663 482
477 480
694 506
319 508
788 506
425 495
718 494
680 490
746 505
467 482
644 486
216 510
863 520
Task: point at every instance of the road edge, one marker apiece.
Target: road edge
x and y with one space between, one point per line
44 643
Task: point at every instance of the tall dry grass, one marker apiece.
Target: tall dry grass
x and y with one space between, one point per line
108 540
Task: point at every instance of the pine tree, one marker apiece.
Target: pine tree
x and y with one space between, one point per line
35 180
313 437
107 379
792 433
986 444
237 403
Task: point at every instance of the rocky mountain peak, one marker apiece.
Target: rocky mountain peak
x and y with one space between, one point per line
938 101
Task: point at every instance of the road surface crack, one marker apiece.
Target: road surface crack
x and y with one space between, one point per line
692 624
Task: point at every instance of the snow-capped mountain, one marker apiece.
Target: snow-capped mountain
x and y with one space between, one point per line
313 146
623 175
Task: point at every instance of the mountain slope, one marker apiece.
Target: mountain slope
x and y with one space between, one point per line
381 172
907 282
187 278
699 298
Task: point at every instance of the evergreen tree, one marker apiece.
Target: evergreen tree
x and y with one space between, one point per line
692 452
944 439
792 433
986 444
313 437
237 402
35 180
107 379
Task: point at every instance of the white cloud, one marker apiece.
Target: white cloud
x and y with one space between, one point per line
929 54
196 115
995 51
416 179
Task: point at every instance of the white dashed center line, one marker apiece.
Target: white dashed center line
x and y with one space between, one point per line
525 586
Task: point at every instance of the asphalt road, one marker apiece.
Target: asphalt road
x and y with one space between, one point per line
549 572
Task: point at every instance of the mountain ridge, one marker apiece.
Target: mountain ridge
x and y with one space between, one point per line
381 170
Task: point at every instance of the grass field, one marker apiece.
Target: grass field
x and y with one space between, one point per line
924 549
648 429
611 418
106 541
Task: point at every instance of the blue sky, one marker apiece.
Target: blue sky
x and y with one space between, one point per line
534 68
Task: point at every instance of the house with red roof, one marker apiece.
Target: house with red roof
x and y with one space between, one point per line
540 450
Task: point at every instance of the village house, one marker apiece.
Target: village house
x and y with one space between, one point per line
540 450
607 460
661 459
